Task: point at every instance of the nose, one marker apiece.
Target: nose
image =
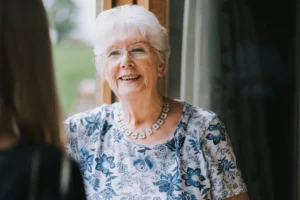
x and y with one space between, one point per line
126 60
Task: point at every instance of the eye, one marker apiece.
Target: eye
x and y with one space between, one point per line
114 53
137 49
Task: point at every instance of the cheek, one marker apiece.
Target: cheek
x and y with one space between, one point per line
152 64
150 72
111 74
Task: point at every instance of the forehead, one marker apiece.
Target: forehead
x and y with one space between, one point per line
125 38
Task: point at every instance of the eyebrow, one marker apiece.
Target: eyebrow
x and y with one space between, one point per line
115 45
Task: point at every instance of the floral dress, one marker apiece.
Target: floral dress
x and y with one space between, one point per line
197 163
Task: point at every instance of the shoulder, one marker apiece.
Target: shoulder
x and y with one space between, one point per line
47 157
53 162
50 156
35 162
97 114
28 148
199 117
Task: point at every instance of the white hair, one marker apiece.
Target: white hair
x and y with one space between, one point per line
135 19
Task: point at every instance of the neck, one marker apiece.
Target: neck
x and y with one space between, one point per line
7 140
142 110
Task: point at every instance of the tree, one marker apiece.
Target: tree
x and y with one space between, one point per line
61 16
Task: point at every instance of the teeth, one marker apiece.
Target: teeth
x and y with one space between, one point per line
129 77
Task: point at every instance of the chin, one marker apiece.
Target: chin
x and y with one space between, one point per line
131 93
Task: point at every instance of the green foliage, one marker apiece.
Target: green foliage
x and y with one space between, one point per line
62 18
73 63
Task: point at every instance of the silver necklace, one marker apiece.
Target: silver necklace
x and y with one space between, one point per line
148 131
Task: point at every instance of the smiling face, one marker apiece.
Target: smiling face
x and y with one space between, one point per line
132 65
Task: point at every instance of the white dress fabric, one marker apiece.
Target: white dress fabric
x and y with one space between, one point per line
197 163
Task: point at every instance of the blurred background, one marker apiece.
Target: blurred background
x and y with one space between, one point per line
72 23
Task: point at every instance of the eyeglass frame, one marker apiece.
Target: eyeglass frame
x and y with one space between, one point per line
129 51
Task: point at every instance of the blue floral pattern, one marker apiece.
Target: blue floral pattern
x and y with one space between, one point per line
168 183
186 196
194 178
104 163
197 163
86 161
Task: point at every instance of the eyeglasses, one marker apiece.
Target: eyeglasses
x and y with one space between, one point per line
137 51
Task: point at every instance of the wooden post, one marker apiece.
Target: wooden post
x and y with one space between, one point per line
103 91
161 9
123 2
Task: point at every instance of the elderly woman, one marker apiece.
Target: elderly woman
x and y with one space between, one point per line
148 146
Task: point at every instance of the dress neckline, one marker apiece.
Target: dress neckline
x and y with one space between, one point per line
176 132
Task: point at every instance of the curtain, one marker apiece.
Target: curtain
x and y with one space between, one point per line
222 71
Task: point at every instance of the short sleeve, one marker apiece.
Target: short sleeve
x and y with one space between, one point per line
71 127
223 172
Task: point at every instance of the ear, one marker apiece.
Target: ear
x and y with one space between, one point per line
162 64
161 70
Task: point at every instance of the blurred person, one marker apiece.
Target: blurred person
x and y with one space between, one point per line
147 146
32 163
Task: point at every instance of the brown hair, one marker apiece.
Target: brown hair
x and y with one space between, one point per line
27 82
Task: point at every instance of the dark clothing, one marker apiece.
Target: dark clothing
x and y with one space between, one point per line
16 174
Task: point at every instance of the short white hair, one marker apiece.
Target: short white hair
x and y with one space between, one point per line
134 18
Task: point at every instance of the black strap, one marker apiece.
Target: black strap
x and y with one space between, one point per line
65 174
35 163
